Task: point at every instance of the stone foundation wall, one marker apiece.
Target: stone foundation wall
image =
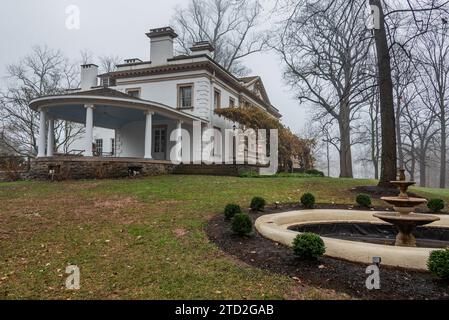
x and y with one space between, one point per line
103 168
216 169
63 169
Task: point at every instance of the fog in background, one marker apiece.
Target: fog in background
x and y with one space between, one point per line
118 28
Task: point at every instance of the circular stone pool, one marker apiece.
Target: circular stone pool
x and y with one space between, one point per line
378 233
356 235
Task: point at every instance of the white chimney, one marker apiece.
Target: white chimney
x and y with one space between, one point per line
161 41
202 47
89 73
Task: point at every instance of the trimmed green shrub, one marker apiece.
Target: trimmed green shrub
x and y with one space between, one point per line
257 204
314 172
242 224
231 209
308 246
438 263
435 205
308 200
363 200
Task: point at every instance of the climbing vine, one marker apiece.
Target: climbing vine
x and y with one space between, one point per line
290 145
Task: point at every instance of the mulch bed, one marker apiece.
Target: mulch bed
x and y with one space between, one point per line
326 273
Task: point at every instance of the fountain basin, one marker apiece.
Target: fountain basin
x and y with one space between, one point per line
402 185
404 205
276 227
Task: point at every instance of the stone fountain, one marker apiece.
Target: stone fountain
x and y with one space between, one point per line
404 219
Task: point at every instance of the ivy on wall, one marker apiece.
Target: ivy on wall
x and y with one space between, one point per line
290 145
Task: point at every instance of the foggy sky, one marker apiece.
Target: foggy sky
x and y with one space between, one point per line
117 27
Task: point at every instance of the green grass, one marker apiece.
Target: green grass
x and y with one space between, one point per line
143 238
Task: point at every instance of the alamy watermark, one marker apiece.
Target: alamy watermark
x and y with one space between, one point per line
73 18
373 20
373 280
72 282
229 146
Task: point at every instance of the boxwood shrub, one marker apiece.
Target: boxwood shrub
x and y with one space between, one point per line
242 224
435 205
438 263
363 200
308 200
231 209
308 245
257 204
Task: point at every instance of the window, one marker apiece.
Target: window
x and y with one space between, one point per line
108 82
99 147
217 141
112 146
217 99
133 92
185 96
231 102
159 140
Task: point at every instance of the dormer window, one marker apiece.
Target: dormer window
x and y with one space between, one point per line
135 92
185 96
107 82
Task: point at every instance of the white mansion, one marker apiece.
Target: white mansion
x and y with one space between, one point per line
129 113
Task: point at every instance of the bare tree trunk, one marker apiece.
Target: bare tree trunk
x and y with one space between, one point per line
422 169
388 158
443 152
345 150
328 159
398 133
412 168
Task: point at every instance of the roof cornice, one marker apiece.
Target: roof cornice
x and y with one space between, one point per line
207 64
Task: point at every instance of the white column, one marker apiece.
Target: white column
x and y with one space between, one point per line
148 133
89 130
50 137
42 133
179 141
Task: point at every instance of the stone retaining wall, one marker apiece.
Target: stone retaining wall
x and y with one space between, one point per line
216 169
96 168
64 168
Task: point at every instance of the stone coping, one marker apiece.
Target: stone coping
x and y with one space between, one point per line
275 227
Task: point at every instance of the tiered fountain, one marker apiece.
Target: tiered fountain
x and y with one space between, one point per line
404 219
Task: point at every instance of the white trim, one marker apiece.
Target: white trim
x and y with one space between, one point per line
163 109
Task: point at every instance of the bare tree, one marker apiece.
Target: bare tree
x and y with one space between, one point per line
108 63
325 54
373 131
43 72
433 58
421 15
86 57
403 77
232 27
421 118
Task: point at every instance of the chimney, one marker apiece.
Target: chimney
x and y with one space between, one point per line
161 41
202 47
89 73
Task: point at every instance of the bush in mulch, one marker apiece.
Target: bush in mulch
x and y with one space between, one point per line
231 210
435 205
242 224
308 200
438 263
257 204
363 200
308 246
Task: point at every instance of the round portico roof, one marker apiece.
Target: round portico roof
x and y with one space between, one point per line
64 106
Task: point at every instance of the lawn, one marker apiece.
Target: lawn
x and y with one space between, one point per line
144 238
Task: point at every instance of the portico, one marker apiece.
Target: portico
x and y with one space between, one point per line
134 121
